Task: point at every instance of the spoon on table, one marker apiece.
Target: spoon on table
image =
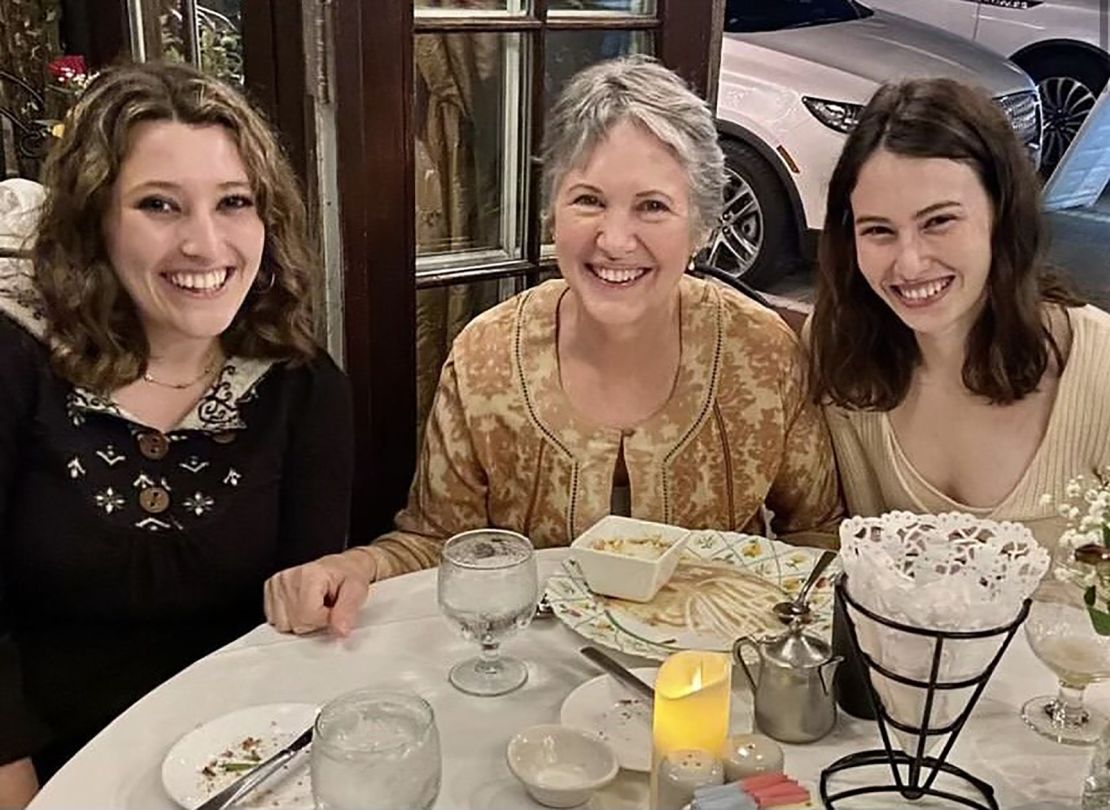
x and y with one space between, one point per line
798 607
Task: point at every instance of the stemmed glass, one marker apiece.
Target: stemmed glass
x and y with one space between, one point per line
1061 634
488 589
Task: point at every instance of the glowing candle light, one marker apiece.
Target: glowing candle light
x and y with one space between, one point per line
692 693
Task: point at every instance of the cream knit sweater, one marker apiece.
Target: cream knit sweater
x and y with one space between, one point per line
877 477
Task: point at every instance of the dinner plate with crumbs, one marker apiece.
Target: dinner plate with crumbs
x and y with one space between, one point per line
216 753
725 586
605 707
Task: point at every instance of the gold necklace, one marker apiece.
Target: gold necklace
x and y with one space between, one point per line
208 369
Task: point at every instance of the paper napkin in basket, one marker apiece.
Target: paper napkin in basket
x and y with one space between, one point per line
949 572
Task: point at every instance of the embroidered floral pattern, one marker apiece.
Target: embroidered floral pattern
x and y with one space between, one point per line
193 464
110 456
109 500
153 524
199 503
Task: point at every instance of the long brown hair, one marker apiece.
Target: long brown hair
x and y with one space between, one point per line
862 354
96 338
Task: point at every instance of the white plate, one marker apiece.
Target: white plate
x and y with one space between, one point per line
612 712
724 588
220 741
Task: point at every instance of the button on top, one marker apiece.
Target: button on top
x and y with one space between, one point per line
154 500
225 437
154 445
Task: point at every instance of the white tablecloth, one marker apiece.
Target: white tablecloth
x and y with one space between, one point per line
402 639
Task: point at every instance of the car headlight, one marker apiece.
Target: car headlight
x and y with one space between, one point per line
839 115
1024 111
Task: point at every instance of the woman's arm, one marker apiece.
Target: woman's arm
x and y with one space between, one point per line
805 495
21 732
448 495
318 467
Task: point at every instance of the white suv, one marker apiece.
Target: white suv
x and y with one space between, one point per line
794 76
1062 44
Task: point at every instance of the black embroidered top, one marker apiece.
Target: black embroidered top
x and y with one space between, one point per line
125 553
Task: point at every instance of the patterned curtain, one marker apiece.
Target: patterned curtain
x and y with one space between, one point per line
457 182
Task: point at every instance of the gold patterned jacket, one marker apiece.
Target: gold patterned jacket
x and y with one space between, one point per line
504 447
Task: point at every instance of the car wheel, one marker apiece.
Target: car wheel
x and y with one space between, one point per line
756 238
1069 84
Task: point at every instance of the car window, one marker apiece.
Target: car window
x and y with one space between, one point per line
750 16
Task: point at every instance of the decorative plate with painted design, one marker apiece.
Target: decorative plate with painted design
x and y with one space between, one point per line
724 587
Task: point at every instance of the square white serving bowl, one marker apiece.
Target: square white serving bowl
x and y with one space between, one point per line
622 575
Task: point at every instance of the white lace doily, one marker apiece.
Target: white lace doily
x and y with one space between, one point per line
949 572
941 572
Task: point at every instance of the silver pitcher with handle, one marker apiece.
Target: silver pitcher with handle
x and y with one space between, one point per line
793 695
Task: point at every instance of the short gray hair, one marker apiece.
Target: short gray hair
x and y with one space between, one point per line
640 90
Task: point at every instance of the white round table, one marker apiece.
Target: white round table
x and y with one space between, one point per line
402 639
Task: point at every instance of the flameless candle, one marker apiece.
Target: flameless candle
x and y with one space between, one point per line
692 693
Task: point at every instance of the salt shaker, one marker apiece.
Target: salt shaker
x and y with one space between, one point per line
683 772
751 755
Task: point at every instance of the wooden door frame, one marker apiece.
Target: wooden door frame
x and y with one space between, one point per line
373 88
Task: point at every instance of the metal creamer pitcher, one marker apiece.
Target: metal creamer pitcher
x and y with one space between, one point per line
793 696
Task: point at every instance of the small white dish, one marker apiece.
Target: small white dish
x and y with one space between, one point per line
218 746
623 575
602 706
559 766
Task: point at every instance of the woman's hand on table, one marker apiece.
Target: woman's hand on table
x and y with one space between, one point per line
18 784
327 592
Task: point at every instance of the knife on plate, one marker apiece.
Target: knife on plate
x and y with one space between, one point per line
257 775
618 671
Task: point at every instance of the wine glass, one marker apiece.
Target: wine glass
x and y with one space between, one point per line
375 750
1061 634
488 589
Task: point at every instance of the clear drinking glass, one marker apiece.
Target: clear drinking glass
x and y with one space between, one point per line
488 589
1062 636
375 750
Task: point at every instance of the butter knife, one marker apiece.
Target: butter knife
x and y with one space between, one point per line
257 775
618 671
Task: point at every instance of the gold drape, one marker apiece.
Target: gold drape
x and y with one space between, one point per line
457 182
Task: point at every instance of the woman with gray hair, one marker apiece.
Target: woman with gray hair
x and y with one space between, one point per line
624 387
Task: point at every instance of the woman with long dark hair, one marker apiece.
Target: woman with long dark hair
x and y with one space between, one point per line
956 372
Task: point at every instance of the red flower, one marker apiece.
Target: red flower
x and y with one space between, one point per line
66 67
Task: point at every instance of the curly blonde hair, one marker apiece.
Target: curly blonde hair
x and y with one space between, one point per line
96 337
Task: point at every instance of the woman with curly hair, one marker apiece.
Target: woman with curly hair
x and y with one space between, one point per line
171 434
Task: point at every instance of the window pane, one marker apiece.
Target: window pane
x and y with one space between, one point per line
638 7
221 39
468 124
467 7
570 51
441 313
42 75
219 29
